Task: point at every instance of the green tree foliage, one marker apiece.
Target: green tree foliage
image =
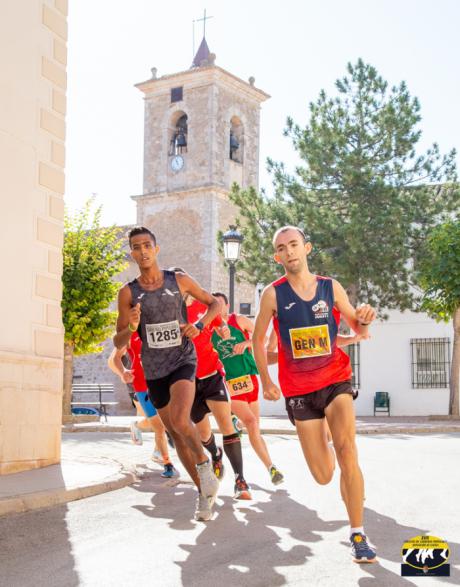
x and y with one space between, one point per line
438 272
93 256
360 191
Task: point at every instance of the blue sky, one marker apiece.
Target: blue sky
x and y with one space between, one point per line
293 49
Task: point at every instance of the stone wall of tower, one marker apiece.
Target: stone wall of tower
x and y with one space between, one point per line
186 225
187 209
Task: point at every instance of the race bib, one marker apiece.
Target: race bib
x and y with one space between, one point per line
310 341
240 385
164 335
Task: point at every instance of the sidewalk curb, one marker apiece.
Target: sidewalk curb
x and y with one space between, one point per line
415 430
430 429
43 499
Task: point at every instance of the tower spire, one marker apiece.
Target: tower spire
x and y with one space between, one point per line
203 50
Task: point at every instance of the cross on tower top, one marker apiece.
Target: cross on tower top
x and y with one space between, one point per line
204 19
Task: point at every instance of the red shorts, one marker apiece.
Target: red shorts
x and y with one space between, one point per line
250 397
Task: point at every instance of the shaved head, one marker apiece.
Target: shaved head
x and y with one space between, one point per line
284 229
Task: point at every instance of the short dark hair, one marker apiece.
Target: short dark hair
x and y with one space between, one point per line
219 294
305 238
141 230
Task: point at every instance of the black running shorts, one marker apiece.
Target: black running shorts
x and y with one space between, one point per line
159 388
211 388
311 406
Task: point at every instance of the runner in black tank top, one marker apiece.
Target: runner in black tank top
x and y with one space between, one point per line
153 305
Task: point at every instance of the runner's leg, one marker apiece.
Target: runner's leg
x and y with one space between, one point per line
232 442
160 437
180 405
341 418
183 452
316 450
244 413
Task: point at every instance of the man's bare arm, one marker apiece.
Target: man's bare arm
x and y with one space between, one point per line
188 285
358 319
267 310
272 348
128 316
116 365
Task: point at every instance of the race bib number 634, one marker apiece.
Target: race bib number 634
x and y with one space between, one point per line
164 335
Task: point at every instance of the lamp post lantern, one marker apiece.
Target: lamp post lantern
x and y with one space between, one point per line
232 247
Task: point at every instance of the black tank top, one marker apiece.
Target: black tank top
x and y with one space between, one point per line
162 311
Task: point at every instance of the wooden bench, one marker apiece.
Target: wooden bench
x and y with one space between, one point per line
95 389
382 402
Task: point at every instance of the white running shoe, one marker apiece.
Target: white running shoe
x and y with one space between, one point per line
156 457
208 481
203 511
136 434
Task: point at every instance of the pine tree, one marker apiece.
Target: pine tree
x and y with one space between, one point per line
361 191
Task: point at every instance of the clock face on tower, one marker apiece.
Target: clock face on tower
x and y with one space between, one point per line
177 162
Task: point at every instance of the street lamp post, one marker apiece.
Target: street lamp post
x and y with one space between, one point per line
232 247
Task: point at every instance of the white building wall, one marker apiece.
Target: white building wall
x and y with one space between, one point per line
386 366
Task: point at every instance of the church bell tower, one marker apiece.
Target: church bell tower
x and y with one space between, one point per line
201 134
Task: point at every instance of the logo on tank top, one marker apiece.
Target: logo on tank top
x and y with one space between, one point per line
321 310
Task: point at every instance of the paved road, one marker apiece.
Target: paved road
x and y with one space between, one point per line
296 535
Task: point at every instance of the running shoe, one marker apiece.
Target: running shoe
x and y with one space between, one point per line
169 471
242 489
362 551
355 393
170 440
276 476
203 511
218 465
156 457
208 481
136 434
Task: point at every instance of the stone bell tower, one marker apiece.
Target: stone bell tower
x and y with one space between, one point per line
201 134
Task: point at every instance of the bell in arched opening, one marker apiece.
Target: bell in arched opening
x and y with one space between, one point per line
180 137
234 144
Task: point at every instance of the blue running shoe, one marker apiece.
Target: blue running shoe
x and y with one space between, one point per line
169 471
361 550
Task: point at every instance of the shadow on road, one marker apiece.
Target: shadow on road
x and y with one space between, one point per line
248 542
35 549
242 544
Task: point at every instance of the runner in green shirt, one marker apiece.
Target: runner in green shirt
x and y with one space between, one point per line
241 376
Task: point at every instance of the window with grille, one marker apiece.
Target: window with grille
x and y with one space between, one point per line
353 351
430 359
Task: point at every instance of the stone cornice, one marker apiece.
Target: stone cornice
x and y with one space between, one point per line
200 76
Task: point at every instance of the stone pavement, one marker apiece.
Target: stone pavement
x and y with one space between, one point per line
101 458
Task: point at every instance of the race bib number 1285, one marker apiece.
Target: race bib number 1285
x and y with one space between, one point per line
164 335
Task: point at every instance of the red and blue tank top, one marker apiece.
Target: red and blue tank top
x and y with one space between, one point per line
308 356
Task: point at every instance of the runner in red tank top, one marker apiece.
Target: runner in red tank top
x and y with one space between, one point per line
236 354
314 374
212 396
151 421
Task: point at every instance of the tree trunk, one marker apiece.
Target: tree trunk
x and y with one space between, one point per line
68 376
352 291
455 369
